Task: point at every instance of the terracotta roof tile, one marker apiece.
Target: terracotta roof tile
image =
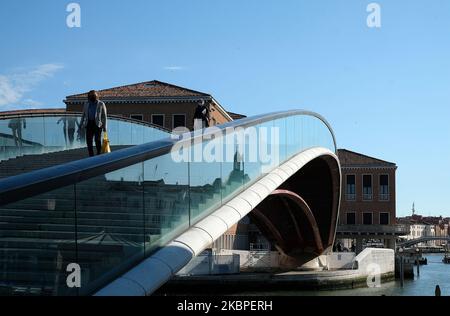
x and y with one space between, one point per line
150 89
349 158
236 116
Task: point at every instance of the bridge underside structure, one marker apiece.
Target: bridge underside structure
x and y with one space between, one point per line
299 217
296 206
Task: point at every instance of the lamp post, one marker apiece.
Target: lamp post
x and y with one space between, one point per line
400 251
417 260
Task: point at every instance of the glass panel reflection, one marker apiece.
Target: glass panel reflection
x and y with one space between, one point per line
137 134
41 135
232 167
37 243
110 224
166 200
205 177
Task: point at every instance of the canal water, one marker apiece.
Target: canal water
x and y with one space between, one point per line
434 273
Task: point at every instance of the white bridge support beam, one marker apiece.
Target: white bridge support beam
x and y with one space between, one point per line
153 272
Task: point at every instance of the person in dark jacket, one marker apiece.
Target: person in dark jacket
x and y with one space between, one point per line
437 291
201 116
94 120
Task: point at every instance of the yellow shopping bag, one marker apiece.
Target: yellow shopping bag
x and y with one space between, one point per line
105 146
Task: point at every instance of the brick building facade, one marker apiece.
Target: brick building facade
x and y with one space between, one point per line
368 202
368 190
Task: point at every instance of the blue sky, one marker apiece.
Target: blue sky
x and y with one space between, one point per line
386 91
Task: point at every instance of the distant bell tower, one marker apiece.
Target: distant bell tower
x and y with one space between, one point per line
413 210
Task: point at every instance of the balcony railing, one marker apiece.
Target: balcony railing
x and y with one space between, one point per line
350 197
383 229
384 197
367 197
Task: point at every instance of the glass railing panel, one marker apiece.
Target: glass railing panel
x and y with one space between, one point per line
31 130
329 142
291 137
297 136
326 138
110 224
61 133
37 243
166 200
264 149
251 157
137 134
80 133
113 132
232 167
42 135
315 132
307 132
155 134
75 132
125 138
318 136
205 177
6 141
150 135
27 136
302 134
162 134
276 146
279 141
46 134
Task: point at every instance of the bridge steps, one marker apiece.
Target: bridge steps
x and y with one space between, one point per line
110 218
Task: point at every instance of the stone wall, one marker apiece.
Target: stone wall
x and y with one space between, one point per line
384 259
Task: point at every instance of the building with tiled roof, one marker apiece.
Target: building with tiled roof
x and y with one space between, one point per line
144 90
156 102
368 202
353 159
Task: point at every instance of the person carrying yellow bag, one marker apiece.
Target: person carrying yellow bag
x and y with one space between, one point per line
94 120
105 146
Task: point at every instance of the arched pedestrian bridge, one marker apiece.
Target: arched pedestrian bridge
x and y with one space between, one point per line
412 242
132 218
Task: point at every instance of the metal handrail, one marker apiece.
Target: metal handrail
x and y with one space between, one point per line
22 186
